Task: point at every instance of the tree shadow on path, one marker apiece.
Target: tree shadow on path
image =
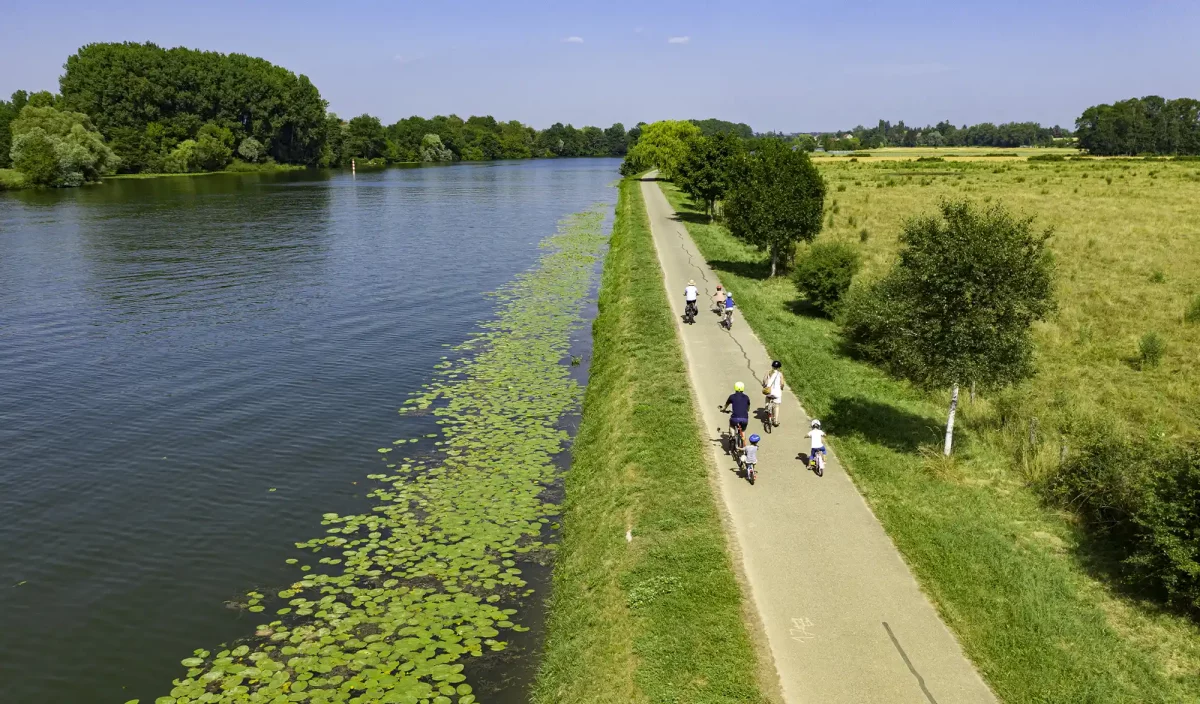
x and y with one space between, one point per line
877 422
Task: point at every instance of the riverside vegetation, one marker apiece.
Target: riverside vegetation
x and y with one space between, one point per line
658 618
387 605
1055 541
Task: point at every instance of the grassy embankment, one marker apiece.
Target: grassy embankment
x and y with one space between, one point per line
658 619
237 167
1027 595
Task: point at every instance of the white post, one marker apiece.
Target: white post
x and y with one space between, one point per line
352 168
950 420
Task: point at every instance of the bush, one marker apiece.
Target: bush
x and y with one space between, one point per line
1150 350
251 149
1047 157
1144 499
825 272
930 158
1192 314
35 157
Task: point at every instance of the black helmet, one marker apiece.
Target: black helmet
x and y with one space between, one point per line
776 364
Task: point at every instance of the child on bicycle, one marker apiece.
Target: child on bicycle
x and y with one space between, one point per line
750 454
719 300
816 439
728 309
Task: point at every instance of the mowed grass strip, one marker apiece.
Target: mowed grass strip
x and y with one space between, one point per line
997 562
658 619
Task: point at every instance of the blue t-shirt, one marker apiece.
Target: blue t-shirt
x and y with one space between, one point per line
740 403
728 302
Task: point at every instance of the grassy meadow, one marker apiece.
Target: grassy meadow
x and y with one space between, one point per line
1030 598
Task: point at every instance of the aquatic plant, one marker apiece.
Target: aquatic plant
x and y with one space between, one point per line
389 602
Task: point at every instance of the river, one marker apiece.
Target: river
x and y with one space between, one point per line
194 369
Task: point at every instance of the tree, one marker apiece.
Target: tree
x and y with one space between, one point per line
250 149
661 145
79 151
960 303
777 199
824 273
214 148
365 138
432 149
705 172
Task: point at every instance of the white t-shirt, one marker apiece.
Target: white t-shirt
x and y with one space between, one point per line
690 293
775 384
817 436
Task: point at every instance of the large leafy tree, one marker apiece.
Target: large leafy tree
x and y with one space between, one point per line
661 145
776 200
58 147
960 303
706 171
365 138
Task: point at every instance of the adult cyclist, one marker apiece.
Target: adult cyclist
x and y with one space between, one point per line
738 404
773 388
690 294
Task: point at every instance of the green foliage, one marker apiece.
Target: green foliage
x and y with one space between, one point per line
824 273
250 149
1192 314
145 100
9 109
58 147
706 170
1150 350
182 158
432 149
960 303
11 180
712 127
1149 125
662 145
945 134
776 200
365 138
1047 157
1143 498
214 148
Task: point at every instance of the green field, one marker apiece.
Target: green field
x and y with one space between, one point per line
1014 577
660 618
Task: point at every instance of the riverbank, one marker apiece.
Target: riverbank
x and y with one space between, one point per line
659 617
11 180
1004 570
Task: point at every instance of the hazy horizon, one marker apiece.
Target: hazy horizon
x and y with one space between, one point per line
791 67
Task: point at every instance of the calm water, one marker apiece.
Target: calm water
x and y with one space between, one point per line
192 370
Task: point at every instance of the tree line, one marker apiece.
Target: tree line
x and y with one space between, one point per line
1149 125
944 134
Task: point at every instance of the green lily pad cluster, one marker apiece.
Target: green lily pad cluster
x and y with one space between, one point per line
390 602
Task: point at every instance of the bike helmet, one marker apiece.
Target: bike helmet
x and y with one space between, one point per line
776 364
754 438
718 287
816 423
739 386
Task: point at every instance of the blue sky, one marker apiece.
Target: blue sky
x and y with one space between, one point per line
777 65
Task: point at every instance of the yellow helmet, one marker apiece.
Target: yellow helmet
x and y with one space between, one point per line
739 386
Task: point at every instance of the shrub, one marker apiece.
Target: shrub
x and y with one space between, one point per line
841 187
1144 499
930 158
825 272
1158 277
251 149
865 234
1192 314
1150 350
1047 157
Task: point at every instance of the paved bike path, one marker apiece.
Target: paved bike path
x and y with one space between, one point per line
845 620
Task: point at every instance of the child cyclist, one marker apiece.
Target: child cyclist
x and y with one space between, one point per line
816 438
719 301
750 455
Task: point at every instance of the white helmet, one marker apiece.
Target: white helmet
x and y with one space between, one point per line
816 423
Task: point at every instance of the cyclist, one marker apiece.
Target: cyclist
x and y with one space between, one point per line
816 438
728 309
719 301
750 454
690 294
739 418
773 388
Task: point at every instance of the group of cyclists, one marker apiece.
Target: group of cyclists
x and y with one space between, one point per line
738 404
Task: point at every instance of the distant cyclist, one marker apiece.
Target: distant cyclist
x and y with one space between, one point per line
773 388
690 294
729 306
739 402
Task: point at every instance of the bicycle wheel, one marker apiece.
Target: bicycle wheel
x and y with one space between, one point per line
750 474
819 467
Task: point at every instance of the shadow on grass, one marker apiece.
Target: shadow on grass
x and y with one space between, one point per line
804 309
880 423
692 217
749 270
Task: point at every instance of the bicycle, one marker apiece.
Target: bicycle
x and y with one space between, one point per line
737 444
727 321
816 463
771 416
689 312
